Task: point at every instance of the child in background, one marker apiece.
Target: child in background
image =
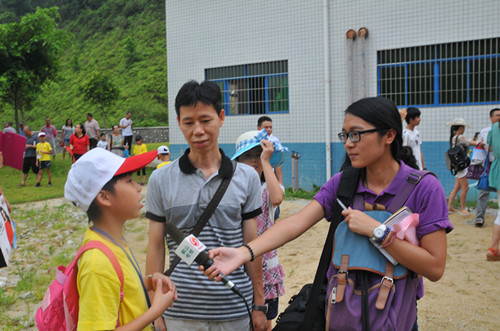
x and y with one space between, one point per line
139 149
253 149
43 153
102 143
163 155
110 197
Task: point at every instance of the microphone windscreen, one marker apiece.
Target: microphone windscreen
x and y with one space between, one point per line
176 234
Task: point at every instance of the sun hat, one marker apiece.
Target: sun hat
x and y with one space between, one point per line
458 121
251 139
41 134
163 150
94 169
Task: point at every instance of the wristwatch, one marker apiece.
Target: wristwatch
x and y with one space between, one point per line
378 233
260 308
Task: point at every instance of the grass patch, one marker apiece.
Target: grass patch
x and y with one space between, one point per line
12 177
301 194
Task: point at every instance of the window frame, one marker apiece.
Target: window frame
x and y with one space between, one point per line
438 62
246 80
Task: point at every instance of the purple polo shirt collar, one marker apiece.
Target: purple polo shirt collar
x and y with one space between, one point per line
395 185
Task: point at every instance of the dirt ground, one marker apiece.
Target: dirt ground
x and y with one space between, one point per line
465 298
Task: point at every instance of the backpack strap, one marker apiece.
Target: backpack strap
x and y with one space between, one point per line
112 258
345 192
404 193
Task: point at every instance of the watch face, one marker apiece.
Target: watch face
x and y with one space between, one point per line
378 233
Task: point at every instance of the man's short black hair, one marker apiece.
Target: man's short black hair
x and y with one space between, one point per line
94 211
192 92
138 137
263 119
493 111
102 134
90 114
411 113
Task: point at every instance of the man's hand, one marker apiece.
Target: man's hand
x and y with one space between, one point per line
259 320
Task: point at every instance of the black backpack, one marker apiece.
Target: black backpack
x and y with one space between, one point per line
458 159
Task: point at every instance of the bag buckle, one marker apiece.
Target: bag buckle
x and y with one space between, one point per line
388 279
413 179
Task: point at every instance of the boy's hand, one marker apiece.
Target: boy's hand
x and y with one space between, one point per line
167 283
267 150
162 300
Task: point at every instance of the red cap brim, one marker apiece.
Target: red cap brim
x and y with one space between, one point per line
136 162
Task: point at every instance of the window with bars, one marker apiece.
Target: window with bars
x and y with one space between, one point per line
258 88
458 73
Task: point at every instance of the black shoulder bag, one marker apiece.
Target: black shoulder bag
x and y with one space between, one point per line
306 310
205 216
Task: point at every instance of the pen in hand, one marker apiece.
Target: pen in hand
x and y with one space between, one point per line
341 204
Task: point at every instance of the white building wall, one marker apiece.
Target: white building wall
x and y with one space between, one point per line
208 34
404 23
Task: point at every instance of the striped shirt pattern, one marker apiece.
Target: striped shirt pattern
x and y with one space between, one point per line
180 193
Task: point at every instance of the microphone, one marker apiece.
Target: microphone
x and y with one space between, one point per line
191 249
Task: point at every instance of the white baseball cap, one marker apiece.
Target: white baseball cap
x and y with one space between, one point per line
163 150
41 134
94 169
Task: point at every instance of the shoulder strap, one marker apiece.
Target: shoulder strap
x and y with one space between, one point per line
112 258
107 251
205 216
345 192
404 193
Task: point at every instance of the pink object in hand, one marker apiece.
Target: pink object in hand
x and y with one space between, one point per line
407 229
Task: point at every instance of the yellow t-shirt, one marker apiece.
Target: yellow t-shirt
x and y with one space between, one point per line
44 147
140 149
163 164
99 288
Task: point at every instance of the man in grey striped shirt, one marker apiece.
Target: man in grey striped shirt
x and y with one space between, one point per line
179 192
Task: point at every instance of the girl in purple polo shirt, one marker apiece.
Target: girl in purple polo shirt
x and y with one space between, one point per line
372 136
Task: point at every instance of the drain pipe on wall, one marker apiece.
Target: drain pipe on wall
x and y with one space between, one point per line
362 34
350 37
326 55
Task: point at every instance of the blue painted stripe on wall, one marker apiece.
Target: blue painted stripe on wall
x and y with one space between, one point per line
312 163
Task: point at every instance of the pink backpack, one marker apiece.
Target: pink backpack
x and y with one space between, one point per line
59 310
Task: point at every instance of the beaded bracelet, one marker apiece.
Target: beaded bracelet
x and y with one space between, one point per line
386 233
251 252
389 240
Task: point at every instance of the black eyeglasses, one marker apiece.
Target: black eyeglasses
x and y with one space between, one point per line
355 136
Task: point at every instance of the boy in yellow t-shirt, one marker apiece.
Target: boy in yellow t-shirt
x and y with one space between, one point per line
100 183
43 153
139 149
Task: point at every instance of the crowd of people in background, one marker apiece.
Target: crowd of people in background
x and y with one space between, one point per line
76 140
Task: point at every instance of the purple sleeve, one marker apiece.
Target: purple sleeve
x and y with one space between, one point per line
326 195
429 201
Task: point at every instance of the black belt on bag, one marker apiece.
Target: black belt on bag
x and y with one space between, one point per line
203 220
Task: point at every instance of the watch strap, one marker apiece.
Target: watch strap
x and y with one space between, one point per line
260 308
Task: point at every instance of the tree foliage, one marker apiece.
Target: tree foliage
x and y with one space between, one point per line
29 56
100 90
123 38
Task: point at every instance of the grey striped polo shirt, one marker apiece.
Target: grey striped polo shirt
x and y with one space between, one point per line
179 193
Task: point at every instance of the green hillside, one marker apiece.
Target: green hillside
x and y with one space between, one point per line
125 39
